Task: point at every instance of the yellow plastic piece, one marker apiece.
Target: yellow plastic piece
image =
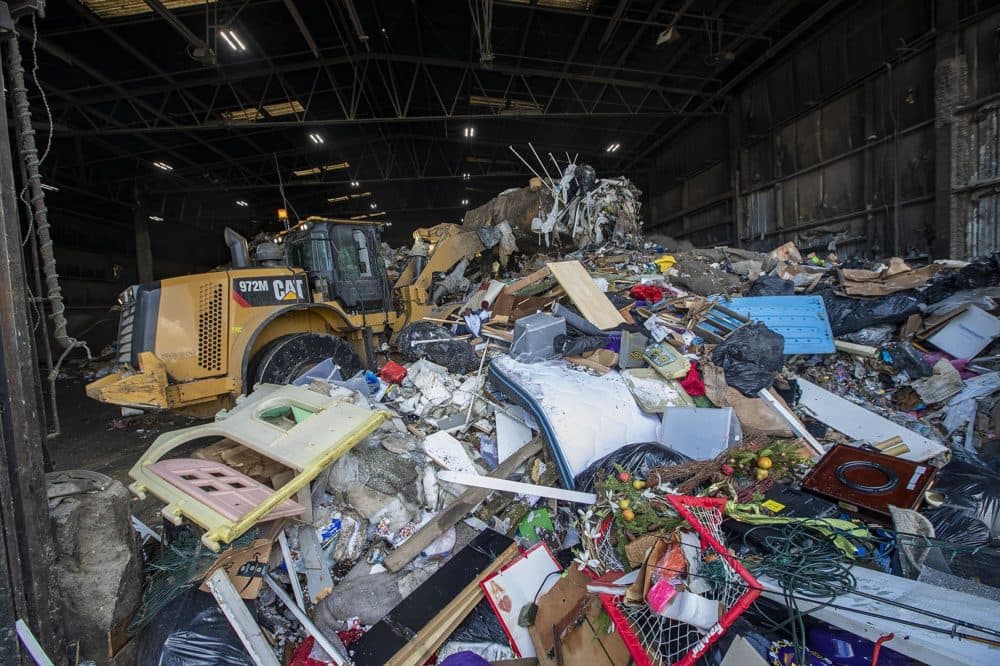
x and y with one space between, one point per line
665 262
308 448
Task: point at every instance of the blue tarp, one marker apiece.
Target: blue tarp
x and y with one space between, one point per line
801 320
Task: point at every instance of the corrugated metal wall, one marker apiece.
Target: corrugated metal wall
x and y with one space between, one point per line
835 144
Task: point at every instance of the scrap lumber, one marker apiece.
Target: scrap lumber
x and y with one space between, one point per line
436 632
236 611
592 302
527 280
462 506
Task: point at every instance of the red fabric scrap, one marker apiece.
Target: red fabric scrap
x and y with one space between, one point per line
692 383
646 292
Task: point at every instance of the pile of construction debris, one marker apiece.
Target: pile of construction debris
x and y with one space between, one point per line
623 452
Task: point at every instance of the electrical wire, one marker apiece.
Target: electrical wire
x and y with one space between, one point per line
804 566
281 190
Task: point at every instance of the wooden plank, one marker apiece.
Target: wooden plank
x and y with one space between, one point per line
450 516
436 632
529 279
482 481
592 302
855 349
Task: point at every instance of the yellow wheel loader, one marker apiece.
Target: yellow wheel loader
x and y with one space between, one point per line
193 343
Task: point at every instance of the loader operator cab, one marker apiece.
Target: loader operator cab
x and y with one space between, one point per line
343 263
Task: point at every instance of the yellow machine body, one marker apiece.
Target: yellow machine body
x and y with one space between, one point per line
190 340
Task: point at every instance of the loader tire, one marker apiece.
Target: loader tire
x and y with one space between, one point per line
285 359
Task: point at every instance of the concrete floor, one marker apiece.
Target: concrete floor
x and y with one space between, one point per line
95 437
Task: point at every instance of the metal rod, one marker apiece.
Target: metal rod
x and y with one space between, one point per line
335 656
541 162
286 554
531 169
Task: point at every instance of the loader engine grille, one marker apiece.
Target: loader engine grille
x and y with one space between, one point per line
210 327
126 323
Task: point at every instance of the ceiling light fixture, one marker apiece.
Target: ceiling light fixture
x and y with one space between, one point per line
355 183
234 41
316 138
612 147
465 202
373 205
163 166
156 218
466 176
470 132
241 203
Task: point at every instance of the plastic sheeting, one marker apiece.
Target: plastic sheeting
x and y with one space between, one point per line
456 355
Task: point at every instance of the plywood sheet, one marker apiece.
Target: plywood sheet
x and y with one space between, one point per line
586 296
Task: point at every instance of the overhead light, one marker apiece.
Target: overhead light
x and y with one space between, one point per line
355 183
373 205
242 114
234 41
316 138
163 166
155 218
612 147
283 108
465 202
470 132
315 171
241 203
361 195
466 176
343 197
120 8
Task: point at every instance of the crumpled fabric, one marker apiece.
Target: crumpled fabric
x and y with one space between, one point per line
646 292
692 383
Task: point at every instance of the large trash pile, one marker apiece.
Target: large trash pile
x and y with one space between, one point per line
623 453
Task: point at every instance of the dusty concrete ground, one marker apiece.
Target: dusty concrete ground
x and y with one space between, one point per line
95 437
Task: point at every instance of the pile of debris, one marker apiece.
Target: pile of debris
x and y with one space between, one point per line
625 452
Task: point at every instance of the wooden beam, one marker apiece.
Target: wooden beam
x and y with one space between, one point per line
462 506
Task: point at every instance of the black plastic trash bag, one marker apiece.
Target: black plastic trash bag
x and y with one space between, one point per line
636 458
982 272
480 626
771 285
853 314
191 631
751 356
456 355
973 489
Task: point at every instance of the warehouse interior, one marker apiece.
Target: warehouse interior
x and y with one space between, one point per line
856 131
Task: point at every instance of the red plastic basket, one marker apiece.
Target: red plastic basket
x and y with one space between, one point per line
653 640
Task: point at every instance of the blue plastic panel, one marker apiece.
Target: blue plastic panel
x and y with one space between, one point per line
801 319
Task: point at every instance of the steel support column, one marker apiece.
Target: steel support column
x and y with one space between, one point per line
24 512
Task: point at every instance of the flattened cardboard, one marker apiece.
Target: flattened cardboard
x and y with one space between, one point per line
574 613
